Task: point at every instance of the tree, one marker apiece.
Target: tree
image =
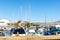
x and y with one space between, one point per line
28 24
18 24
35 24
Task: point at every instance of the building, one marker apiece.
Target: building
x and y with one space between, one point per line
4 22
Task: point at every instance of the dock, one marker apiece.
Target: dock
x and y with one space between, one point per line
51 37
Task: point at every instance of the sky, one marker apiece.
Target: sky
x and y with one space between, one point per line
30 10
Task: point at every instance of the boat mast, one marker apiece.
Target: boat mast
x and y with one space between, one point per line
21 12
45 20
29 11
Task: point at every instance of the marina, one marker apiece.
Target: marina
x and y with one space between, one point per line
29 20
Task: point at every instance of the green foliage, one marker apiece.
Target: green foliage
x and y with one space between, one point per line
35 24
31 24
27 24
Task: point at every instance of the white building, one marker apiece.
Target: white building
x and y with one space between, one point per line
3 22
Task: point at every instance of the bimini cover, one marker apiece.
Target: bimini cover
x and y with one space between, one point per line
19 30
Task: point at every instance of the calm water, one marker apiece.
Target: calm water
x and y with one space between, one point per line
7 33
